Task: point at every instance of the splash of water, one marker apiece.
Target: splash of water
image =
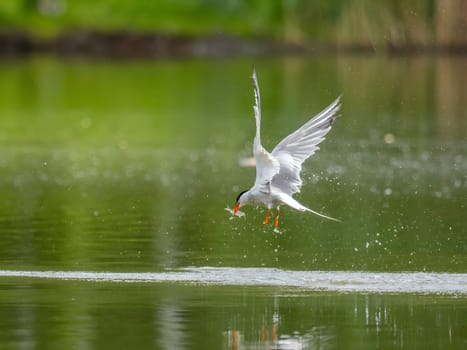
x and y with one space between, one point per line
337 281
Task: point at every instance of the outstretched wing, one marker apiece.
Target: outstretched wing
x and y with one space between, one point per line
266 165
293 150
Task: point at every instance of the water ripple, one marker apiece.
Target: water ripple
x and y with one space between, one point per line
337 281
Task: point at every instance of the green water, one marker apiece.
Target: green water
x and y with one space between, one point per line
57 315
126 166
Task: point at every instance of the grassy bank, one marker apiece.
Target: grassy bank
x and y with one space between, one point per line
344 24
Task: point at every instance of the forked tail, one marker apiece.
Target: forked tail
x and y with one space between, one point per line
291 202
322 215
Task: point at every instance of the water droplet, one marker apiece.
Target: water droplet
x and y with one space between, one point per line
389 138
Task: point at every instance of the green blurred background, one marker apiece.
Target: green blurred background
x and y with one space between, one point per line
126 165
352 23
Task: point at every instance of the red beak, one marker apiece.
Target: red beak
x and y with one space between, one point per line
236 208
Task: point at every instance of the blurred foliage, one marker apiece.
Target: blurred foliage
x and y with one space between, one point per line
363 22
193 17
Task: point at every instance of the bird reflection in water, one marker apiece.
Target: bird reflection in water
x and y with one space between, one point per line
268 339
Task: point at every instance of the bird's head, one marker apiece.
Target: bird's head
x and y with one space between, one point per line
241 200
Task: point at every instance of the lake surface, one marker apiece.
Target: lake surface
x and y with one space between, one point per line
114 176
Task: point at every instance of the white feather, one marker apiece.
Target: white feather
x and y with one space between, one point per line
266 165
294 149
278 172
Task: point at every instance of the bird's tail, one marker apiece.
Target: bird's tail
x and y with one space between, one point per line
322 215
291 202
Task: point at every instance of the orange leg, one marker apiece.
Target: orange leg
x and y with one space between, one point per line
266 219
264 334
274 332
235 340
276 221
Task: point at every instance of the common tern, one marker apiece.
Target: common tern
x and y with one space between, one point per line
278 173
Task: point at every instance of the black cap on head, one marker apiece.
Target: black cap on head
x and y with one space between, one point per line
239 195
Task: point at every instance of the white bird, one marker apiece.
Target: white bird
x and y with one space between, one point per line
278 172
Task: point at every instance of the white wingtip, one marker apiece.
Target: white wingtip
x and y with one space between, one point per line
253 74
257 109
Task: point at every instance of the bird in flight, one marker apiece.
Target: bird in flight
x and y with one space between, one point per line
278 173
